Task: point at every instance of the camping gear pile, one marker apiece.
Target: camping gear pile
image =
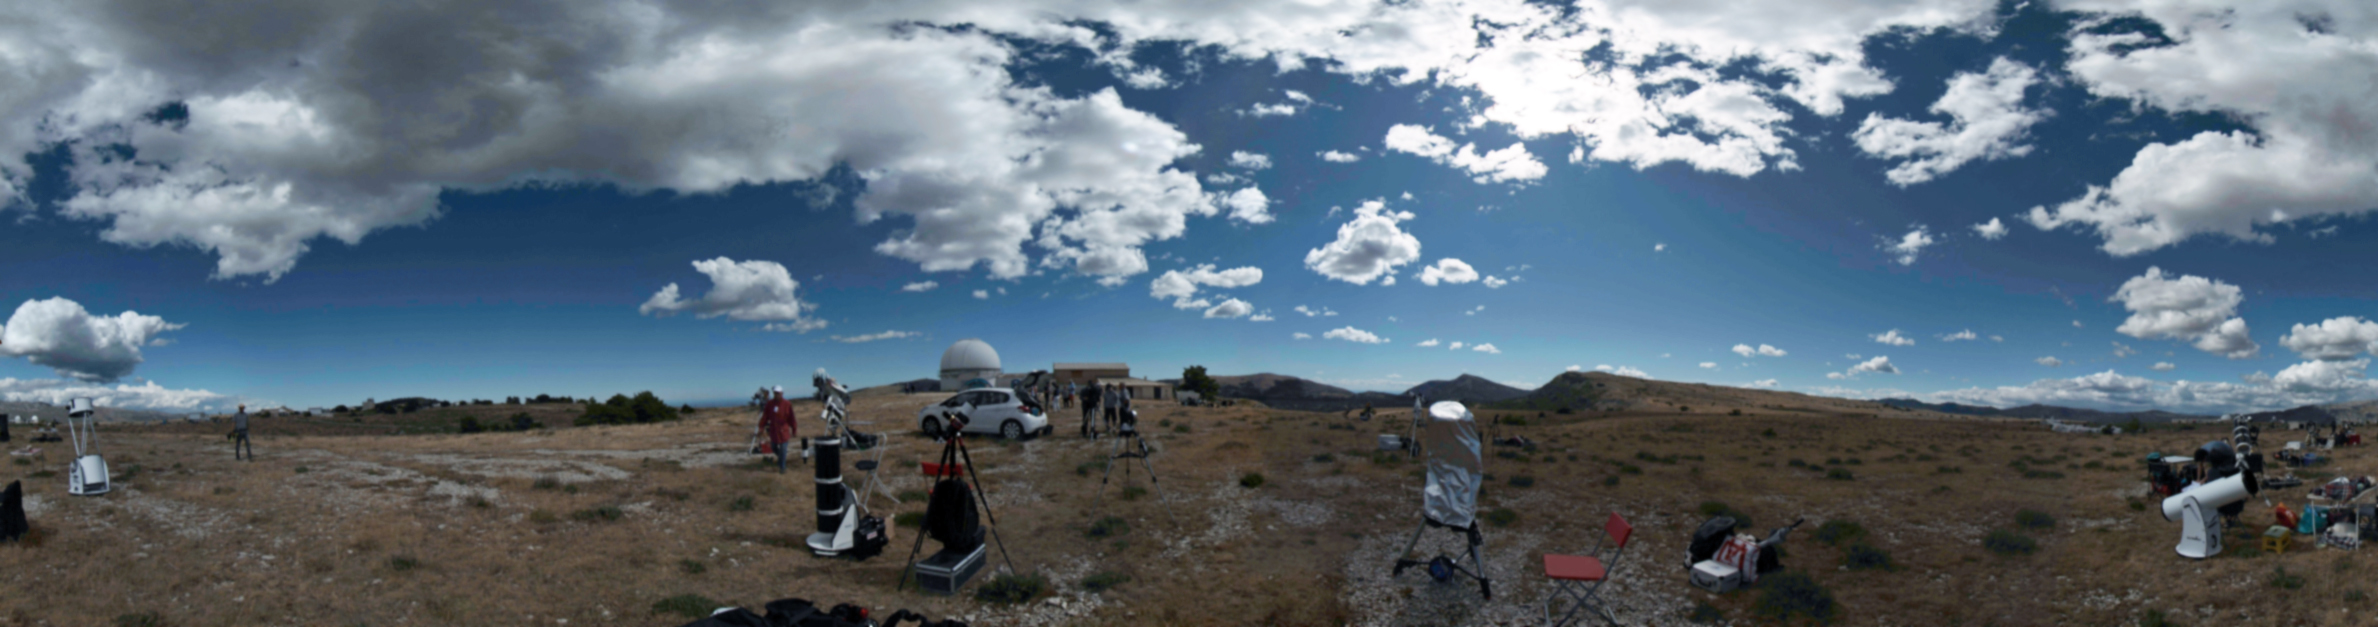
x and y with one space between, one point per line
1450 500
1722 560
793 612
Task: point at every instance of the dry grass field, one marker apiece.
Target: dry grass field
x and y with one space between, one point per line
347 525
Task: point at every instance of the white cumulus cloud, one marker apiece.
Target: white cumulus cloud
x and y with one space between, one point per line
1448 270
1456 346
1511 163
1909 246
1301 335
1709 365
1247 205
1987 120
920 286
2186 307
760 291
876 337
2163 366
2333 339
1494 283
1763 383
59 334
1182 287
1991 230
1428 343
1249 160
1369 247
1487 348
2050 361
1333 156
1352 334
1233 308
1624 371
1763 350
1892 337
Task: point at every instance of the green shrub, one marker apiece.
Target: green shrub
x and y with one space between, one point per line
1324 458
607 513
1251 480
402 563
742 504
142 619
1011 589
1522 481
2004 542
1839 474
1736 412
1132 493
1863 556
909 519
914 496
687 605
2281 580
1791 594
692 567
2034 519
546 483
1085 468
2155 618
1834 532
542 517
1706 614
1501 517
1611 481
1713 509
468 425
1107 527
1104 581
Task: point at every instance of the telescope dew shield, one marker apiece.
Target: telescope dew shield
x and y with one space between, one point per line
1454 465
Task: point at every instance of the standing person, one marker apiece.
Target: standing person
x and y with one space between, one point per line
777 420
1089 410
239 435
1111 401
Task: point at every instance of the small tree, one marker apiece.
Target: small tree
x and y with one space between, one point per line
1194 379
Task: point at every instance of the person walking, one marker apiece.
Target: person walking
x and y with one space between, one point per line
777 420
1089 410
239 435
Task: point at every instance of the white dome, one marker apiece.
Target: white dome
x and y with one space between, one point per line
970 354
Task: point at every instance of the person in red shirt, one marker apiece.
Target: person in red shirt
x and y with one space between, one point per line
776 418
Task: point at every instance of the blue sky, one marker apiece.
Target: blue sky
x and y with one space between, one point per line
328 215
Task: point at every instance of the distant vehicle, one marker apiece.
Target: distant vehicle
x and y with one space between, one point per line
987 410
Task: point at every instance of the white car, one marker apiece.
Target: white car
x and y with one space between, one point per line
987 410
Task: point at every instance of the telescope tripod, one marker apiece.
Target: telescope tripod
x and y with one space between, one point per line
1129 444
954 460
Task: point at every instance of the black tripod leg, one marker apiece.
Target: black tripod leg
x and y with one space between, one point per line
1152 482
985 501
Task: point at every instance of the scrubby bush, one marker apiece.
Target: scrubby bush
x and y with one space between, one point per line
909 519
1863 556
692 567
2281 580
1501 517
741 504
1104 581
1839 474
1834 532
1522 481
686 605
2034 519
467 425
1132 493
1107 527
605 513
620 409
1251 480
1794 594
1011 589
2004 542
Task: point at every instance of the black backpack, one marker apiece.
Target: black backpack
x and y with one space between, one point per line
950 517
12 512
1706 540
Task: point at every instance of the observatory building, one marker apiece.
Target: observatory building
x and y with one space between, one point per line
970 363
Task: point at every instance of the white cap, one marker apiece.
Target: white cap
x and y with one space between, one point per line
778 388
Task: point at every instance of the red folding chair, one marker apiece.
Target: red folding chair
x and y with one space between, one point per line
1580 577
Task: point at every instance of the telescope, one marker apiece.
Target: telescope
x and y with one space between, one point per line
2197 508
88 475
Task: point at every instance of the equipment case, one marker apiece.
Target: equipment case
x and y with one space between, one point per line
947 571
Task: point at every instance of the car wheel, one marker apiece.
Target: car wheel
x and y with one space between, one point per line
932 428
1011 430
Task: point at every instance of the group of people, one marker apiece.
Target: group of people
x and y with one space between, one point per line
1114 398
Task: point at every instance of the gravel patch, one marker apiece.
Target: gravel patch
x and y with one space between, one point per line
1226 519
563 470
1295 513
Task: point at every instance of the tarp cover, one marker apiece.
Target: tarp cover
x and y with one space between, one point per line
1451 439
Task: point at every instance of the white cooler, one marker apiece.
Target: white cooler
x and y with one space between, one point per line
1715 577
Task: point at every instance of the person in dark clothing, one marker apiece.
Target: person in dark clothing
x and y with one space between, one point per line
239 435
1112 402
1089 410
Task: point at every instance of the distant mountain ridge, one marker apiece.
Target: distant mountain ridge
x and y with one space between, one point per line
2035 410
1468 388
49 412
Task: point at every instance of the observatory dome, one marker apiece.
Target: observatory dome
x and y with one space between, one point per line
970 354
